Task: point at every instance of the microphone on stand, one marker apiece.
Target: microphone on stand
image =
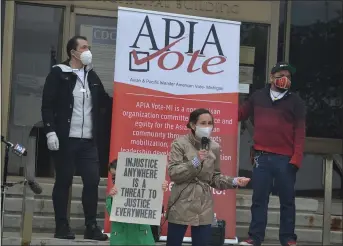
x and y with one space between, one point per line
204 143
35 187
18 149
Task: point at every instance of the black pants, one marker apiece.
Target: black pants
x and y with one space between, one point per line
201 235
83 155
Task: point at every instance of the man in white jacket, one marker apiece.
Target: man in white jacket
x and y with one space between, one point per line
72 98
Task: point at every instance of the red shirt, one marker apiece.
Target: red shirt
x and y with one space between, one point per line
279 126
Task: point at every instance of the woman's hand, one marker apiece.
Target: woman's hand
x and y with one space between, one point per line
164 185
242 181
202 154
113 191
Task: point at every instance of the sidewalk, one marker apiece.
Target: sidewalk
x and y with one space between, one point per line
43 239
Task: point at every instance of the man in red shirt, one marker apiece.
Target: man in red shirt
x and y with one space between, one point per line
279 134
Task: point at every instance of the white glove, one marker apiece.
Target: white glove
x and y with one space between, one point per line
53 143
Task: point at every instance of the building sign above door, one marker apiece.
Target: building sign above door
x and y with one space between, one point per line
249 11
199 6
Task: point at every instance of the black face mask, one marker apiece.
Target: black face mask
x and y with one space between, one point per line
113 179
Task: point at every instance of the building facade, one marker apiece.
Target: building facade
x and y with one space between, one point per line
308 34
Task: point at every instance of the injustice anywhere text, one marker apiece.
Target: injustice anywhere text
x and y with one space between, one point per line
139 187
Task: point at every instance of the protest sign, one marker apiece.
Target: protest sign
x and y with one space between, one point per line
139 179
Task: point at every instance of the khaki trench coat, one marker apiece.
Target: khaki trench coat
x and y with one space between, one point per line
190 202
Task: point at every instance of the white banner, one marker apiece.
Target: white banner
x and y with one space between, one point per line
139 179
204 52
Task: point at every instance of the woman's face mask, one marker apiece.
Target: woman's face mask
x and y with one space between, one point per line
201 132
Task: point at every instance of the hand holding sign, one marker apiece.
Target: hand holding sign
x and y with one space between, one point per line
165 185
113 191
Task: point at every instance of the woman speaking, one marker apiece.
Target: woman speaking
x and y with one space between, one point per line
194 167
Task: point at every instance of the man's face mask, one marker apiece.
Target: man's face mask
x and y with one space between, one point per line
85 57
283 83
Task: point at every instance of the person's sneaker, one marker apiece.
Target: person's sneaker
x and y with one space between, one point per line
291 243
94 232
249 241
64 232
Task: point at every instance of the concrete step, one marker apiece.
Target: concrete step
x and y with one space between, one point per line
44 207
40 180
49 240
336 207
47 187
44 204
39 239
243 197
44 223
304 235
308 220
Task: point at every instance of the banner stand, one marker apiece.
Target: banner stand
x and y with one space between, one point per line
167 66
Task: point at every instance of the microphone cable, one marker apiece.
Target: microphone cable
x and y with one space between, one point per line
204 142
178 197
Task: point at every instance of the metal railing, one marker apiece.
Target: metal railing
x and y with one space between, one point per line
329 161
338 161
28 202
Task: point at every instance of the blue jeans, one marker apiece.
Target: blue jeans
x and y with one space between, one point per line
268 168
201 235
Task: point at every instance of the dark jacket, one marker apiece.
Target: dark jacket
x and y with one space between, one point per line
58 100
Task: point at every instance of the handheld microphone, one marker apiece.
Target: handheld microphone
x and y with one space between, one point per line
204 142
35 187
18 149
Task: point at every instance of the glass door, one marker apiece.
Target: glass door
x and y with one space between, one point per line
100 29
253 74
38 35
